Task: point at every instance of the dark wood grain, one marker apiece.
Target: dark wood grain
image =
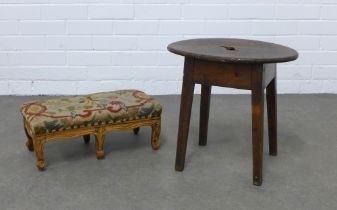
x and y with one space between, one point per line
235 63
185 113
204 113
257 122
272 116
223 74
233 50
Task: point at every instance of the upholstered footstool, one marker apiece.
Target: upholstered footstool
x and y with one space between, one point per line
69 117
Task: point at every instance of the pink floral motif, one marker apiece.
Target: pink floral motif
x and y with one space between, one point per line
59 113
34 109
86 113
115 106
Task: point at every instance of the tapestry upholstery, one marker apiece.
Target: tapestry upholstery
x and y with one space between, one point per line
65 113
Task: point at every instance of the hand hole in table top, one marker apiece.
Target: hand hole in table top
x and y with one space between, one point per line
229 48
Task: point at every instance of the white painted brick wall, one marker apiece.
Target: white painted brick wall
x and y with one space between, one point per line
82 46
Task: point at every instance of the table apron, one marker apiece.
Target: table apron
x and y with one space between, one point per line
230 75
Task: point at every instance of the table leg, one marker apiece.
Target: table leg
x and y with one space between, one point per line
204 113
185 113
257 125
272 116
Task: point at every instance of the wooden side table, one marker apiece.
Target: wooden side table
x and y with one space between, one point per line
235 63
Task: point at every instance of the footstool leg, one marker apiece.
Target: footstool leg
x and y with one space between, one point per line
86 139
155 142
29 142
100 144
39 152
135 131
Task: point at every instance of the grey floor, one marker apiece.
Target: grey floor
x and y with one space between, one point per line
218 176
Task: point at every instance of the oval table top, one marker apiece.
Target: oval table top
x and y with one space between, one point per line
233 50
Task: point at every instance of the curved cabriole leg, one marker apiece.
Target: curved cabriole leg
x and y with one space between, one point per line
39 147
155 142
86 139
100 144
136 131
29 142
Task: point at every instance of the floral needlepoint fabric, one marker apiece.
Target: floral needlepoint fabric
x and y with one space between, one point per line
80 111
